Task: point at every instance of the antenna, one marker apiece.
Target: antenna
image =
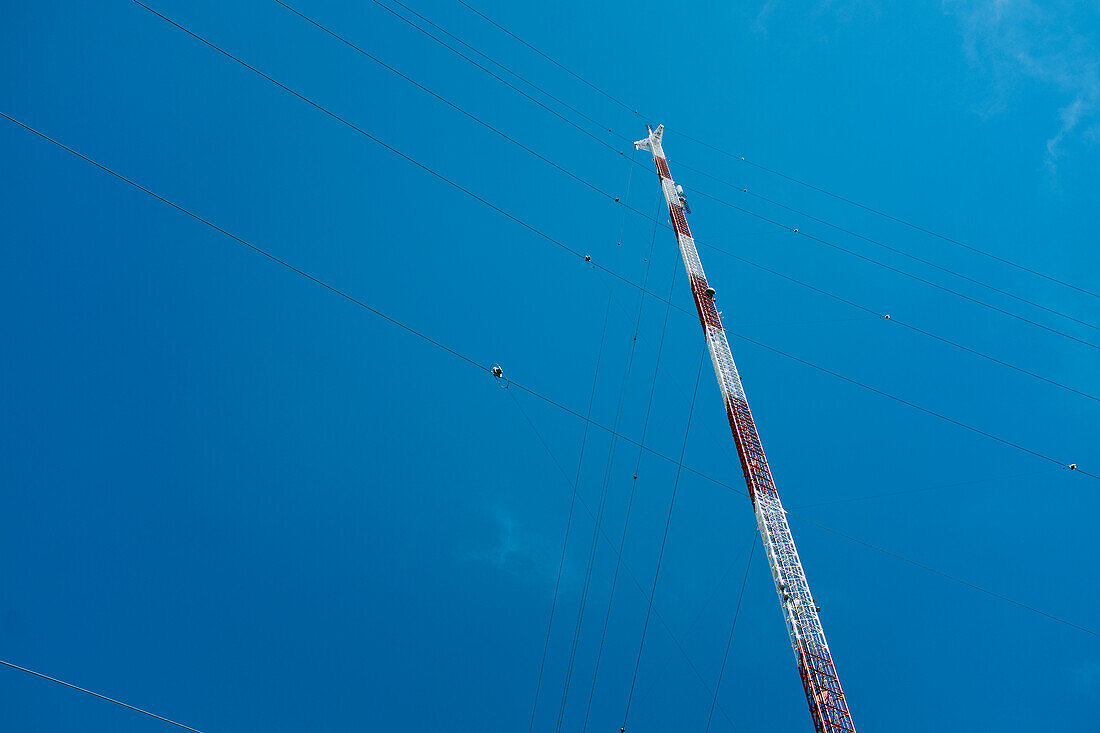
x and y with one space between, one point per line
828 707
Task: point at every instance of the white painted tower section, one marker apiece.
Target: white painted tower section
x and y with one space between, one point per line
828 706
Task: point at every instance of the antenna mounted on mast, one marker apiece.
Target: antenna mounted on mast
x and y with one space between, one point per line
828 706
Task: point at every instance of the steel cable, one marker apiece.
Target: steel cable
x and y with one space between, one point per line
782 226
604 491
877 243
729 642
625 566
637 465
529 390
572 505
664 541
792 179
96 694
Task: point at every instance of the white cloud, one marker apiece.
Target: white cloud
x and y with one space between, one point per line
505 545
501 547
761 25
1019 39
823 11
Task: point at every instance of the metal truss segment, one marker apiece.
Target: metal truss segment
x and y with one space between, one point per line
824 696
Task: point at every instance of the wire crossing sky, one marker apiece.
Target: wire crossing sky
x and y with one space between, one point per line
96 694
639 212
587 419
709 176
741 158
227 495
561 245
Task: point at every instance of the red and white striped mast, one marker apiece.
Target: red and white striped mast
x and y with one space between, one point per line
828 707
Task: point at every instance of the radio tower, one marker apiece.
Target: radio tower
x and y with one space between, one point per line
828 708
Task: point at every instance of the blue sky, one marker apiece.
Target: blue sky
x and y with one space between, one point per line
236 499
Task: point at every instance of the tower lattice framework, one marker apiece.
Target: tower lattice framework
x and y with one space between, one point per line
828 707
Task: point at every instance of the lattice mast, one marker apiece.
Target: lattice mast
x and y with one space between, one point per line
828 707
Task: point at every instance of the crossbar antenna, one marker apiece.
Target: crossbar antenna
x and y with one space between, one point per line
828 706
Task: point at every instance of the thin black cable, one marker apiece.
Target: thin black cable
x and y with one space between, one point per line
608 195
545 445
895 320
529 390
587 578
504 68
911 225
842 534
251 246
742 159
643 215
722 449
446 101
630 573
511 86
354 300
927 488
877 243
96 694
483 367
838 376
729 642
576 486
745 190
908 403
880 244
634 482
891 268
685 392
946 575
572 505
913 562
627 207
603 492
664 540
619 102
869 545
899 271
838 533
889 396
699 617
557 242
993 359
403 156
